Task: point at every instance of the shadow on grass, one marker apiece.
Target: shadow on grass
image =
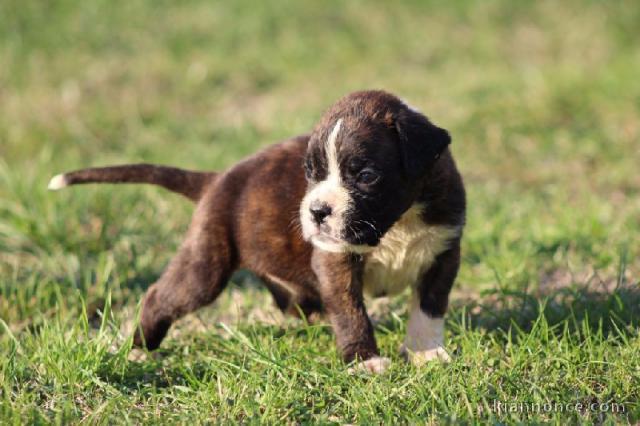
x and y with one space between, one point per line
157 370
215 354
588 308
610 308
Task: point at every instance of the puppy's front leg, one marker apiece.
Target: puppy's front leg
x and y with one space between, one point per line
425 330
340 280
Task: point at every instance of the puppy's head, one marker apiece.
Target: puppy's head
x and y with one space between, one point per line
366 162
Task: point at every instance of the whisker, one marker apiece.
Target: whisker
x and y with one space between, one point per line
375 230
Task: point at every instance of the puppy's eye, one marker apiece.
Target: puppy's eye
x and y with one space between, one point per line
368 177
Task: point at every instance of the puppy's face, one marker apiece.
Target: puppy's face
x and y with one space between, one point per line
365 164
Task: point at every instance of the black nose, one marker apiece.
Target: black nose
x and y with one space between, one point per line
319 211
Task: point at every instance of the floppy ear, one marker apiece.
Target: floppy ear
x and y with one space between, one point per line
421 142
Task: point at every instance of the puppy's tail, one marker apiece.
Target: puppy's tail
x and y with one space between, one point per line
188 183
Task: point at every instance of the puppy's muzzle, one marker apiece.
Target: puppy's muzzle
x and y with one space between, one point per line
320 211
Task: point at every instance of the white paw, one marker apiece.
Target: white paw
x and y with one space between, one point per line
375 365
420 358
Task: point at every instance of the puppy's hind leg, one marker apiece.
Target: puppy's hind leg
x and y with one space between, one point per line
194 278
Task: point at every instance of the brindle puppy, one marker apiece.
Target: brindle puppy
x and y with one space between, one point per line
371 201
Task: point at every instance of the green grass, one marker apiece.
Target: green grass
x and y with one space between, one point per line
542 100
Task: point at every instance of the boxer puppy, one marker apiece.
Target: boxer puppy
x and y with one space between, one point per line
369 202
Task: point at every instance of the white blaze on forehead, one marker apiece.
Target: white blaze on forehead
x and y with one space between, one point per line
332 152
332 192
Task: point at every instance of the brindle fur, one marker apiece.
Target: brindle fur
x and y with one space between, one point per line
247 217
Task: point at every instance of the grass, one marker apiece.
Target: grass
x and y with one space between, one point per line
542 100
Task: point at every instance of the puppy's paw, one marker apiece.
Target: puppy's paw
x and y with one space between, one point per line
375 365
420 358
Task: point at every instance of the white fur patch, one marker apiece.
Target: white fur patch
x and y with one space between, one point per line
57 182
425 336
405 251
375 365
332 192
332 152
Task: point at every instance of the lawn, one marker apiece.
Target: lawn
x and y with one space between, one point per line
543 103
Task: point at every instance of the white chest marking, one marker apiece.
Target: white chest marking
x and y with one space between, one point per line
406 251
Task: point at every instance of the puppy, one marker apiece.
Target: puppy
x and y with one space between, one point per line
369 202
